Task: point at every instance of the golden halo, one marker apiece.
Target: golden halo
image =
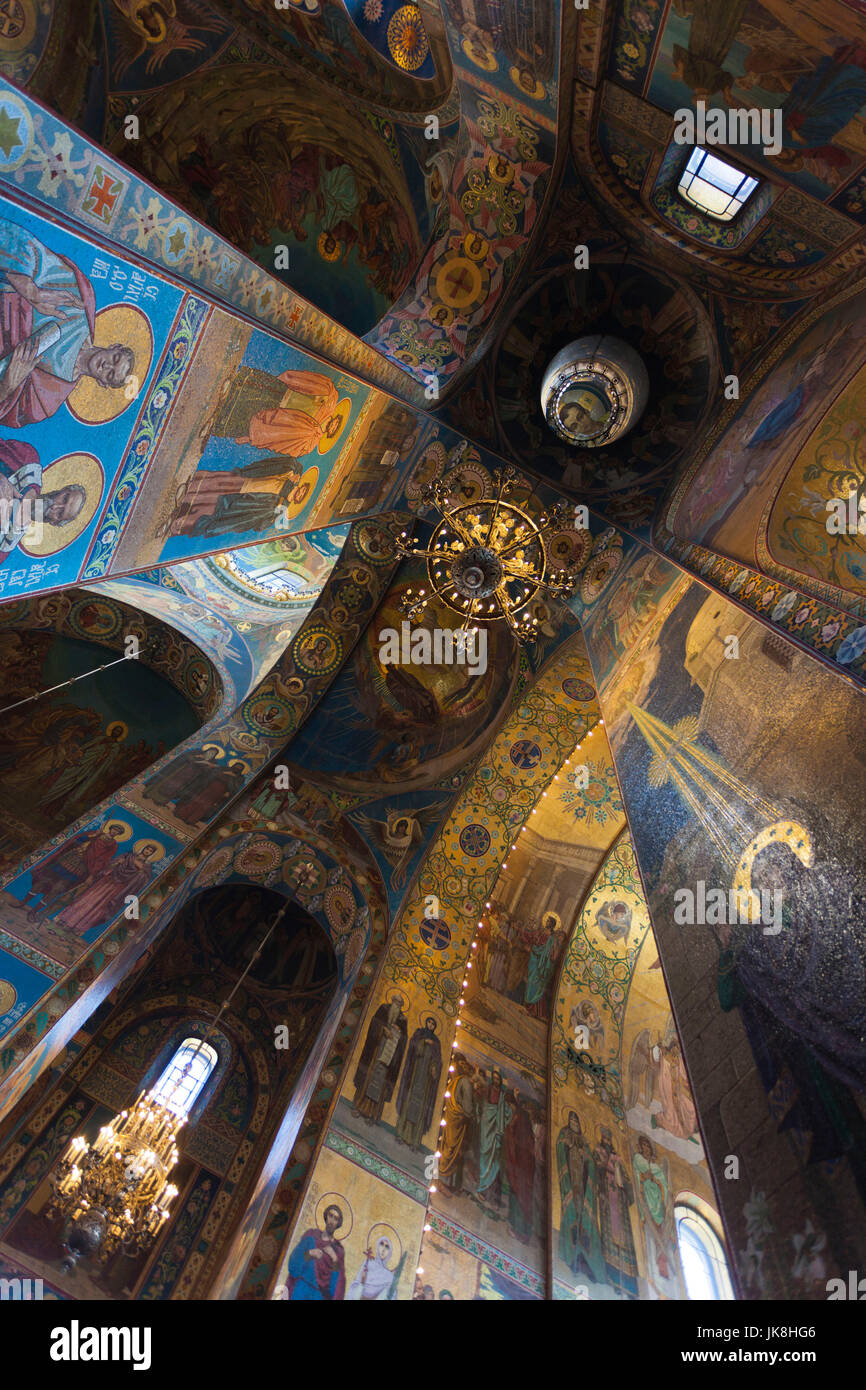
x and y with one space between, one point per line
396 1243
556 917
217 746
115 820
538 92
784 832
143 844
8 995
145 33
244 765
320 246
335 1199
302 493
476 246
328 441
501 169
119 323
394 991
117 724
83 470
479 55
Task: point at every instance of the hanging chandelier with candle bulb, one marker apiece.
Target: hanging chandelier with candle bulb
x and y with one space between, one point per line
115 1194
487 559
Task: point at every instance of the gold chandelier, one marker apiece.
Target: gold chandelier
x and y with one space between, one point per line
115 1193
487 559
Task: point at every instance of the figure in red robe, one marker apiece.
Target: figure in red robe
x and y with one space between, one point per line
47 320
79 861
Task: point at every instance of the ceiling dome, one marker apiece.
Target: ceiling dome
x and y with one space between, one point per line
594 390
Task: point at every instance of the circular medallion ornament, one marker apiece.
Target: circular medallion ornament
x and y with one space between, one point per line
525 754
258 858
94 618
8 995
374 542
577 689
501 170
317 651
467 483
599 573
594 391
407 38
427 469
435 933
353 952
528 83
340 907
269 714
304 874
569 549
197 678
474 840
459 282
216 866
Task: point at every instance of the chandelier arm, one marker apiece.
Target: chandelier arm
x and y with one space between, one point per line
522 634
524 541
437 593
469 615
501 489
518 573
453 519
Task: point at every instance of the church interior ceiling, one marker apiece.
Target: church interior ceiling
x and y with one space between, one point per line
286 269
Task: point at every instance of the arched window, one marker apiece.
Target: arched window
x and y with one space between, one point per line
181 1082
702 1256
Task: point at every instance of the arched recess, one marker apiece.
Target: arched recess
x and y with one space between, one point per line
201 955
624 1130
67 751
321 193
53 1002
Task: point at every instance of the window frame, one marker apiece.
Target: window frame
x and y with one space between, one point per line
742 201
689 1208
190 1046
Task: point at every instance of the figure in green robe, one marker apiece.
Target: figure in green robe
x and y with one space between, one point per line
494 1114
579 1238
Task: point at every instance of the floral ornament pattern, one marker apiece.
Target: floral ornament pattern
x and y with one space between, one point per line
598 802
853 646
